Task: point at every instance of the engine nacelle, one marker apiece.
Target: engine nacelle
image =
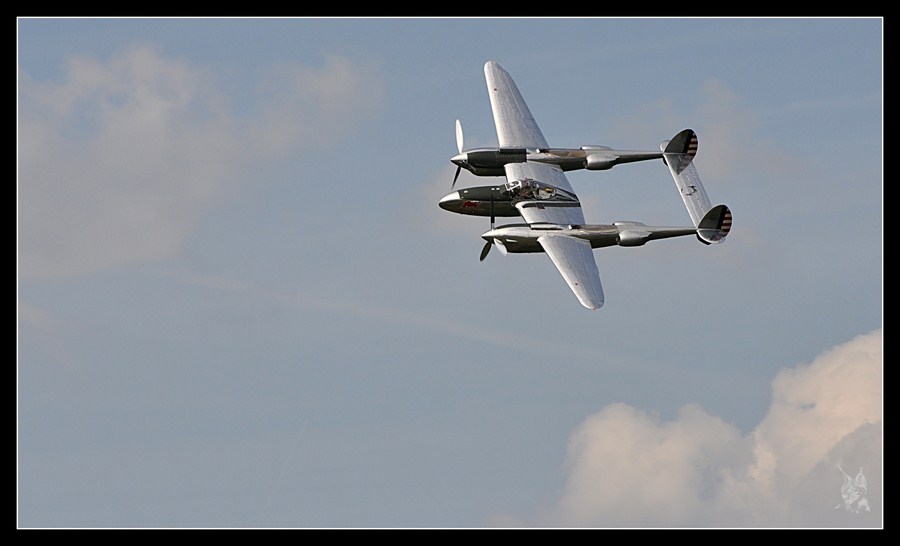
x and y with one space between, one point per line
494 158
632 238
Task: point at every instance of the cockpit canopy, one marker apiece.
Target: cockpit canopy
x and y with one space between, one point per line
528 188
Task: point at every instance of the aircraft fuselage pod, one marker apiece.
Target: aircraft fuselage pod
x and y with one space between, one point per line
501 200
480 201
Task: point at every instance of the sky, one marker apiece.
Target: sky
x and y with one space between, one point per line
239 305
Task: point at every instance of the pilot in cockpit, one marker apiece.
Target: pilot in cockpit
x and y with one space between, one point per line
521 189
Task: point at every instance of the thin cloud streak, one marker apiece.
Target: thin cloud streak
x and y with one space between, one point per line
575 354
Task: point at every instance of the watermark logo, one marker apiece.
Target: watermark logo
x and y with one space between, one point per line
853 491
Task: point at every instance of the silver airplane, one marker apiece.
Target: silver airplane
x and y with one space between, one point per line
537 190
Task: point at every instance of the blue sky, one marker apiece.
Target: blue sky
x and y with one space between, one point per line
240 306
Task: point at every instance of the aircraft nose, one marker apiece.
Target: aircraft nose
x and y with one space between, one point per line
450 201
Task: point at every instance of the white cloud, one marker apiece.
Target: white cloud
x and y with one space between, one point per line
118 161
626 468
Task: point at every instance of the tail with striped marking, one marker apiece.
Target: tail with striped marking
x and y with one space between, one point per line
712 223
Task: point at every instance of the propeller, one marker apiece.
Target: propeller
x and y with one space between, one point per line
492 208
487 248
489 244
459 147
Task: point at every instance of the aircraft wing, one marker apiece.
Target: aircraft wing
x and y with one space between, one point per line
516 128
515 124
575 260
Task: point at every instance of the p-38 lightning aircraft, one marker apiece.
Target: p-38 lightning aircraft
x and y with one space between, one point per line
537 190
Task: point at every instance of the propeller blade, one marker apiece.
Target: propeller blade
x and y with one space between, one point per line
459 136
455 177
492 208
501 246
485 250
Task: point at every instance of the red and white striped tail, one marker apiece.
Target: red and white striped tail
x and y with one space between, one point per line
715 225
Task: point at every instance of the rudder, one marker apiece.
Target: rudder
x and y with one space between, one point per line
715 225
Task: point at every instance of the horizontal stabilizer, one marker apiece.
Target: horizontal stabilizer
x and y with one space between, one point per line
678 155
714 227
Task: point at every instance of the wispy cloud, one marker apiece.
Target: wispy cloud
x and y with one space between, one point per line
119 160
305 108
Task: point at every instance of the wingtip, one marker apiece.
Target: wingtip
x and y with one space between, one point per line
492 66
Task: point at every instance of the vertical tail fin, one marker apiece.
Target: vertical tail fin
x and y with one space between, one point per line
715 225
